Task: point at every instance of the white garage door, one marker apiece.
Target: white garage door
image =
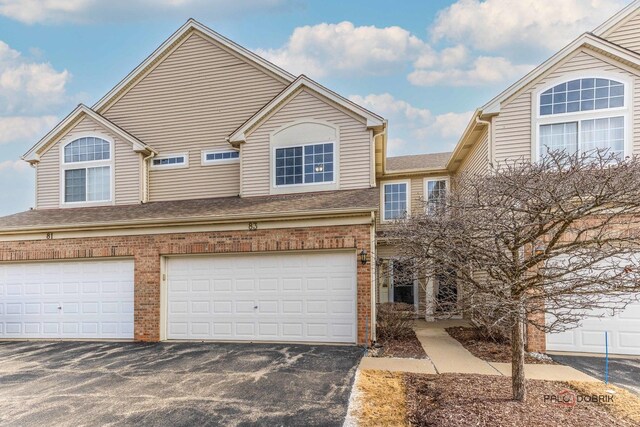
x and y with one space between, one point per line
285 297
623 334
85 299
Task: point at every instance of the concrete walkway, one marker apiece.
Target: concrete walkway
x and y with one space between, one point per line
447 355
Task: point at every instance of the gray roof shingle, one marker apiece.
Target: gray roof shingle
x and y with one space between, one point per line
190 211
418 161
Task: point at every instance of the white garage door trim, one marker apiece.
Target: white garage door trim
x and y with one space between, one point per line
88 299
308 296
623 330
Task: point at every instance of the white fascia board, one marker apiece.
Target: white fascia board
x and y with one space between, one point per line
373 120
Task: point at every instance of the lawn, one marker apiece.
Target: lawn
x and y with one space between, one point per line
405 399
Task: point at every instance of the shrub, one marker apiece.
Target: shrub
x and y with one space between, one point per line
395 320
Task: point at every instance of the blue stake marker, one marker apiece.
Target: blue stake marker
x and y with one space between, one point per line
606 358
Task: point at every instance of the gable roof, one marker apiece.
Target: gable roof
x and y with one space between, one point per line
190 26
585 40
373 120
418 162
616 19
33 155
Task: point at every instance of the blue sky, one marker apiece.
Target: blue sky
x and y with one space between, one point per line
424 65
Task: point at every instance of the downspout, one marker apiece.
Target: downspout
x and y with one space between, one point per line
145 174
384 152
489 140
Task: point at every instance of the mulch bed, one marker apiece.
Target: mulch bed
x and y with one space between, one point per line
485 400
485 348
408 347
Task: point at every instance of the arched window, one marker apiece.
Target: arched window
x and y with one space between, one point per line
87 149
582 95
582 115
87 170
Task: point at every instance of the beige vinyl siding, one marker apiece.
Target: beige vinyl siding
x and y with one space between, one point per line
417 194
355 143
513 127
191 102
48 179
627 34
127 167
477 161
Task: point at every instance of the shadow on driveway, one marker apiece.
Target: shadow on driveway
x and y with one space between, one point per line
623 372
178 384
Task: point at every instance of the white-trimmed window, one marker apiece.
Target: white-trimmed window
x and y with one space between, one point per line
304 164
170 161
435 193
228 156
395 200
86 170
582 115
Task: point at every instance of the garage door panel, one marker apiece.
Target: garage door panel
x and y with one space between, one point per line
274 297
622 327
88 299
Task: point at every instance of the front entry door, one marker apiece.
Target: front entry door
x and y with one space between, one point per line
403 289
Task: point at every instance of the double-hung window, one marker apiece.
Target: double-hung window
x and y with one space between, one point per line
435 195
395 200
86 170
304 164
583 115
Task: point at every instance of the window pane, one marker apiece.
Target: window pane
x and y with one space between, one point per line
395 201
87 149
559 136
582 95
318 160
436 193
75 185
222 155
607 133
98 184
169 161
288 166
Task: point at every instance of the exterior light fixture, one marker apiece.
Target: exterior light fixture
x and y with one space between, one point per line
363 257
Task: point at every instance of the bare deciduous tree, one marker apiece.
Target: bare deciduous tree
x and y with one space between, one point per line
534 241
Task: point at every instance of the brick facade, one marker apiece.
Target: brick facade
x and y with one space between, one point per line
147 250
536 339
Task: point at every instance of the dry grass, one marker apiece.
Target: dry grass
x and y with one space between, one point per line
625 404
381 399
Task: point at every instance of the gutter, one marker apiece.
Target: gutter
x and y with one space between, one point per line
202 220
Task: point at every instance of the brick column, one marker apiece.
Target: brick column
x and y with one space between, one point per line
147 294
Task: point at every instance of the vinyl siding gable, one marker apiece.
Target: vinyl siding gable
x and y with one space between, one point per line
627 33
127 167
354 142
514 126
190 102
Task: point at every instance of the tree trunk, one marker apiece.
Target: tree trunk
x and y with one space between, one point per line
517 358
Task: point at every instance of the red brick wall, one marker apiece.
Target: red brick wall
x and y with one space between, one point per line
146 250
536 339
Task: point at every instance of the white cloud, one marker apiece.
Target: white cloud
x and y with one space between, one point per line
26 85
483 70
86 11
319 49
502 24
24 128
14 166
413 129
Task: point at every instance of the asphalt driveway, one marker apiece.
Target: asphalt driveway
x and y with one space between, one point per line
177 384
623 372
